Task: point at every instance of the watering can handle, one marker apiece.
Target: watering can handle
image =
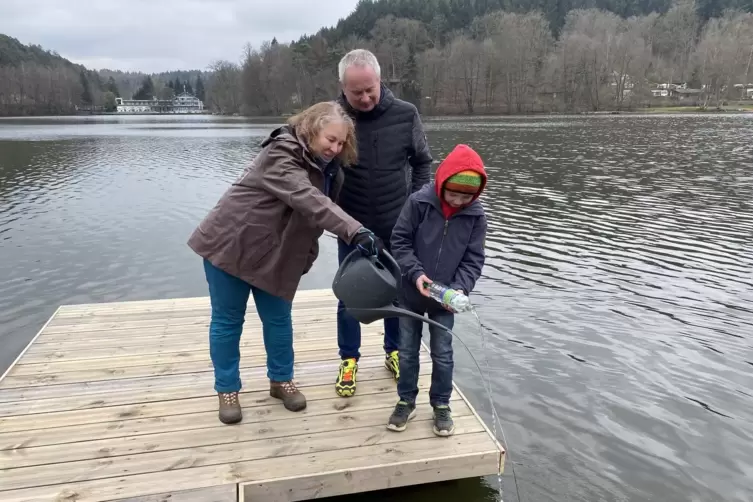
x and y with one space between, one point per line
355 253
394 263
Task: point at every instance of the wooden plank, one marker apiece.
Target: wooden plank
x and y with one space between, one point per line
188 379
201 335
25 424
196 321
314 311
240 451
302 296
176 389
151 367
183 432
177 334
72 361
23 352
378 477
43 353
401 450
222 493
182 310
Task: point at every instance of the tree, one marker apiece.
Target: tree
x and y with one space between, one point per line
146 91
200 92
112 87
109 101
86 93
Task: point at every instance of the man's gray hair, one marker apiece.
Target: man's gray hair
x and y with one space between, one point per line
358 57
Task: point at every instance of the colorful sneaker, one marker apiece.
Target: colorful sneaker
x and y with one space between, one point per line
392 363
443 424
402 413
345 385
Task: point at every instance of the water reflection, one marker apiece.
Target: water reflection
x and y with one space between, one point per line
616 299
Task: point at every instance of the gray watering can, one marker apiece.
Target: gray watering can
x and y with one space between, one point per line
369 287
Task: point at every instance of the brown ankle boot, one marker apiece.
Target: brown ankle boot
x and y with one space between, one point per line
291 397
230 408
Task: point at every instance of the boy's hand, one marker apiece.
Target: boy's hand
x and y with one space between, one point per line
420 285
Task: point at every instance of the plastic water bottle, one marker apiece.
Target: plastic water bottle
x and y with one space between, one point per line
449 297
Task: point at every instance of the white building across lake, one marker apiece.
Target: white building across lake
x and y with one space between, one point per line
182 103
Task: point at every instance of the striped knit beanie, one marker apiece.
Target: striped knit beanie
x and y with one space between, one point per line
465 182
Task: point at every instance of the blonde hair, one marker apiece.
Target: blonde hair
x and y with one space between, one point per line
309 123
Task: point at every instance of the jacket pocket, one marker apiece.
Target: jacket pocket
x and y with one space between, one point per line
256 243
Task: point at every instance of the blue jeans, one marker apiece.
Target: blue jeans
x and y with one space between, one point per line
229 296
349 330
441 358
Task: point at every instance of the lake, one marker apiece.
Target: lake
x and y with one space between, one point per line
615 300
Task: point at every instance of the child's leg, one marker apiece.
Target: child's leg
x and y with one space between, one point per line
408 352
441 373
441 357
407 386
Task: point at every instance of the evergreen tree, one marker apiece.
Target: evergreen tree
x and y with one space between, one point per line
112 87
200 92
146 91
86 93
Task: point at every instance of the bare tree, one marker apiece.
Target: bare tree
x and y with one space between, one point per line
723 52
465 58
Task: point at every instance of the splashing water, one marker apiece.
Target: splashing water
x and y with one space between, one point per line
496 423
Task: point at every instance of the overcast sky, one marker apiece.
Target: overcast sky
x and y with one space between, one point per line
162 35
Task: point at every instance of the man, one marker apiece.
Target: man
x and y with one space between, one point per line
393 161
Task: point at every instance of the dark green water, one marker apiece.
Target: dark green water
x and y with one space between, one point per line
616 299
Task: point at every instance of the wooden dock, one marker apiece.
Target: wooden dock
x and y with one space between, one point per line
115 401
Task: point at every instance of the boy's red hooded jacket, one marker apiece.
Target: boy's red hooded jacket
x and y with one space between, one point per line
462 158
446 244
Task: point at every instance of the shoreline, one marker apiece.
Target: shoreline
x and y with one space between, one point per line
663 110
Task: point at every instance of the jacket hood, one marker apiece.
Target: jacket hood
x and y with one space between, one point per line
287 133
282 133
386 98
461 158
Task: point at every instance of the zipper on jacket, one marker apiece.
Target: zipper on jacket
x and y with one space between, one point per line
439 253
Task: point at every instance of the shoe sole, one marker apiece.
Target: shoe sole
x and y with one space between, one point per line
289 408
401 428
444 434
345 392
231 421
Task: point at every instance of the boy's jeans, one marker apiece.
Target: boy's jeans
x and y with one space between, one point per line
349 330
441 356
229 296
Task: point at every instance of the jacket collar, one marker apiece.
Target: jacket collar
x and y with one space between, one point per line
428 195
386 99
287 133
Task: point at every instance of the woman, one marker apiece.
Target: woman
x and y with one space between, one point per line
262 236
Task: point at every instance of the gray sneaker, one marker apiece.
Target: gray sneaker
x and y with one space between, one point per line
402 413
443 424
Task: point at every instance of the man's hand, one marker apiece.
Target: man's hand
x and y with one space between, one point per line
420 285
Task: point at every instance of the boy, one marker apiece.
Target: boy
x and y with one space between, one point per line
439 236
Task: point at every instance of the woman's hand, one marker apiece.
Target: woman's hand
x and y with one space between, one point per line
422 285
367 243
